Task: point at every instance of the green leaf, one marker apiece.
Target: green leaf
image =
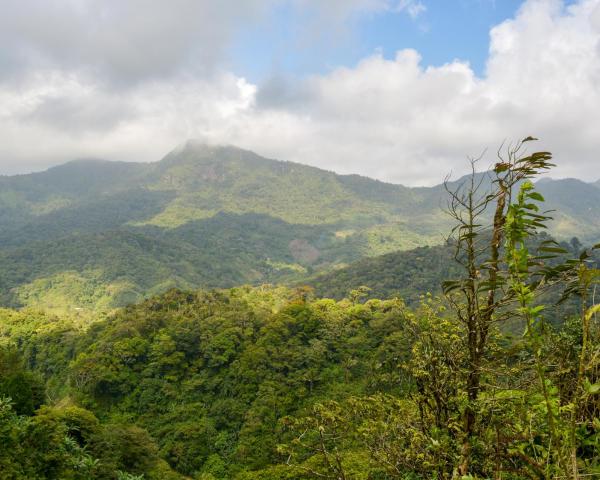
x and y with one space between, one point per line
531 206
536 196
592 388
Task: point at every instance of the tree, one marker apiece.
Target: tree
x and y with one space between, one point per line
479 208
25 389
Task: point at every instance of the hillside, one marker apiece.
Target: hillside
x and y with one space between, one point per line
403 274
412 275
208 216
202 181
221 384
207 374
274 383
575 207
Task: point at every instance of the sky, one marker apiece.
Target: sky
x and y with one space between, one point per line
400 90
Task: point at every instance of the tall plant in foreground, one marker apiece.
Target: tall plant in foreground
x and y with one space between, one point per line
522 221
504 282
567 421
480 299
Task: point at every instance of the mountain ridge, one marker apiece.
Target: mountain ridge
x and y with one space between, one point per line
198 146
233 216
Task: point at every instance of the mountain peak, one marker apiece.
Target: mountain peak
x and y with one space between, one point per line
195 151
198 146
84 162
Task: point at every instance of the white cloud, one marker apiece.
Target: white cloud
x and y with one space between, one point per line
129 41
118 41
413 7
393 119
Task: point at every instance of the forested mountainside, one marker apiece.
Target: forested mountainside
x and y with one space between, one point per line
91 235
490 368
405 274
208 375
240 383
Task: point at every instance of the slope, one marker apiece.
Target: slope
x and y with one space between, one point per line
208 216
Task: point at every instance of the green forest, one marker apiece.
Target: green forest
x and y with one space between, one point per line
476 358
90 236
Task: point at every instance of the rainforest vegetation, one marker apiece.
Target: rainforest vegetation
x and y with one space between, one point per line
479 359
90 236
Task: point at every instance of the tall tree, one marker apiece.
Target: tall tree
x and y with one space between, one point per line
479 208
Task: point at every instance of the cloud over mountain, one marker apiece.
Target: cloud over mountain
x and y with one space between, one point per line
128 81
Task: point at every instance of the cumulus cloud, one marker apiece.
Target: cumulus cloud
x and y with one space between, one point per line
399 120
391 118
130 41
119 41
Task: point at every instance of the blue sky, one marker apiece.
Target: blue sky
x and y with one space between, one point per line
445 31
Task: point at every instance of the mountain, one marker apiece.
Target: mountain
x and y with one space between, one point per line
91 235
574 206
405 274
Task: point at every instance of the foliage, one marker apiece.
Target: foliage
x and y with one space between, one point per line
89 236
277 383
